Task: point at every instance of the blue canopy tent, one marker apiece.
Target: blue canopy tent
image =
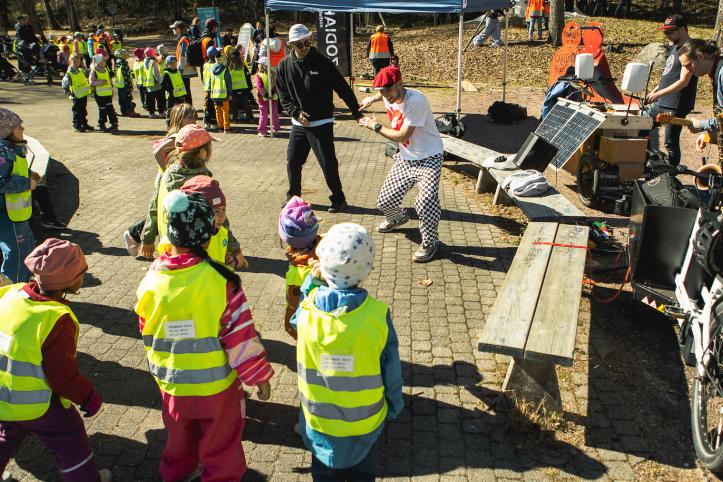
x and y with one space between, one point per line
399 6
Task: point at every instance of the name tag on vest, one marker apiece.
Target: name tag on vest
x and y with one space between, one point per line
337 363
5 342
180 329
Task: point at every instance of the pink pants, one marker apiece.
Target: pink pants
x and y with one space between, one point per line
264 116
204 431
63 432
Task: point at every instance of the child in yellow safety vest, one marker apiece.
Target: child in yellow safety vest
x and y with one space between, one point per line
76 87
240 87
263 80
138 75
173 85
219 88
42 381
190 304
124 84
99 80
298 229
347 356
193 152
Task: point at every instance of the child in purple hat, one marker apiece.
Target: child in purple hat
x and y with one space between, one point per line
298 229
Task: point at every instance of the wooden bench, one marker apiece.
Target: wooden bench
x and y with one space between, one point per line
551 206
534 318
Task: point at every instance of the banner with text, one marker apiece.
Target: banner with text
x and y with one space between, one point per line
333 35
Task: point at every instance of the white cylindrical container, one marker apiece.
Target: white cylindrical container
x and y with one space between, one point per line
635 78
584 66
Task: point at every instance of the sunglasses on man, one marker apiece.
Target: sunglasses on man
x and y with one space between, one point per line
301 44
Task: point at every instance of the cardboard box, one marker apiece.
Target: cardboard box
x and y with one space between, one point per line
623 151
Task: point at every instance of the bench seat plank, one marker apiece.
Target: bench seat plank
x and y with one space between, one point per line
508 324
467 150
552 334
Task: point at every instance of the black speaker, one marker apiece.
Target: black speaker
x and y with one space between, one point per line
536 153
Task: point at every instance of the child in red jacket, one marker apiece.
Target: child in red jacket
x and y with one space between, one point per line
38 333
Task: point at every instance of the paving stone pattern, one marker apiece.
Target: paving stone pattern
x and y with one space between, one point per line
449 430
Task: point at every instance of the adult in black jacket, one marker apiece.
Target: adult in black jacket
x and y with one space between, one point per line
306 81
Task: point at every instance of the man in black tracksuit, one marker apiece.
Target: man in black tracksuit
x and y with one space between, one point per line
306 81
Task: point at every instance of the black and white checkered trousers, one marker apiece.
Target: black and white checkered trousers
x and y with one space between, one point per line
425 174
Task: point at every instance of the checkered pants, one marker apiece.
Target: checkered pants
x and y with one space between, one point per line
401 179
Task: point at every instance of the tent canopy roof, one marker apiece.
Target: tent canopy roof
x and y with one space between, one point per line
389 6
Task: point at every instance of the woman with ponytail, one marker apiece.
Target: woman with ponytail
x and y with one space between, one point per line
201 345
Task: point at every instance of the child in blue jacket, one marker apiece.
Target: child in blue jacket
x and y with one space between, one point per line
349 373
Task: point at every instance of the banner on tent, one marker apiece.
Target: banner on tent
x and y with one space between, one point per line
333 38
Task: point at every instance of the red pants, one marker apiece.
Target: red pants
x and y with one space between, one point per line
204 431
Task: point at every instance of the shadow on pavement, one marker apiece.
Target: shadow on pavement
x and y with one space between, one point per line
638 392
121 385
112 320
281 352
267 265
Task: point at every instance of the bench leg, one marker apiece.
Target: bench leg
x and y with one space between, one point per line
501 197
535 382
485 181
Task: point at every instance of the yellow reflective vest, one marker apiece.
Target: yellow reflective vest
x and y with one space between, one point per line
79 85
296 275
179 88
218 85
238 79
19 205
148 77
339 369
138 72
207 74
105 90
24 391
120 81
265 82
182 309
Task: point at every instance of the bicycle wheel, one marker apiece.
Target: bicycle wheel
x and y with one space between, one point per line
706 408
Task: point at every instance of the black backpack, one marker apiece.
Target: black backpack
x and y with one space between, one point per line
194 54
506 113
450 124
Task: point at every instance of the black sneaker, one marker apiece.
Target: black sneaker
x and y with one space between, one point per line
79 129
338 207
88 128
102 128
386 226
113 129
55 225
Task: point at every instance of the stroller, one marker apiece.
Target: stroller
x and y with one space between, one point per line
31 63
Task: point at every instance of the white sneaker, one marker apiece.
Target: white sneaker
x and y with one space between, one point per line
130 244
105 475
7 477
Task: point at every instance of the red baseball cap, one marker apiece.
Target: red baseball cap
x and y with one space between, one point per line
674 21
387 77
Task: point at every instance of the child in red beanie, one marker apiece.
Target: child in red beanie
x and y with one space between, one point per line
38 340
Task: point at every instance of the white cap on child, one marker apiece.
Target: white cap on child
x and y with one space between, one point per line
346 255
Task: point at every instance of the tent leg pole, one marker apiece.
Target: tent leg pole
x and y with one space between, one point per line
459 64
351 50
270 76
504 64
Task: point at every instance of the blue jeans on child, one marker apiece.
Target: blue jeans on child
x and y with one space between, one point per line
16 242
364 471
531 27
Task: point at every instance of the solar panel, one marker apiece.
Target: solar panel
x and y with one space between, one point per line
567 128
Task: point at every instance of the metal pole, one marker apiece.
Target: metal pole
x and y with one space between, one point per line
459 64
504 64
269 76
351 50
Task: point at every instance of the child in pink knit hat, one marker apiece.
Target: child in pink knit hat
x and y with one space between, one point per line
298 229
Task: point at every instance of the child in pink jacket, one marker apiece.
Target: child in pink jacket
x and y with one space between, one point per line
263 79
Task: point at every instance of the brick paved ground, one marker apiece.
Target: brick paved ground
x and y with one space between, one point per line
450 429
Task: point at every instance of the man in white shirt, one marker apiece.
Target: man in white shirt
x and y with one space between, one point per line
418 162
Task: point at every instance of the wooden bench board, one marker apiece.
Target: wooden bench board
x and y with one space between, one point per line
552 334
551 206
508 324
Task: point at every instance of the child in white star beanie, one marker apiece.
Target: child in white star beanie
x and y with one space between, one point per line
346 255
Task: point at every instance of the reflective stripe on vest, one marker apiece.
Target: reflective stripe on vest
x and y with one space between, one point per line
24 391
265 82
217 246
79 85
207 74
149 79
179 88
238 79
19 205
182 309
218 85
105 90
339 369
120 81
379 46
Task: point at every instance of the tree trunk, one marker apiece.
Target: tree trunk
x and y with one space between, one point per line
51 16
5 23
557 21
72 17
718 34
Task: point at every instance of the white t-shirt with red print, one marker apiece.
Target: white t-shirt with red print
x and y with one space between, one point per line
415 111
